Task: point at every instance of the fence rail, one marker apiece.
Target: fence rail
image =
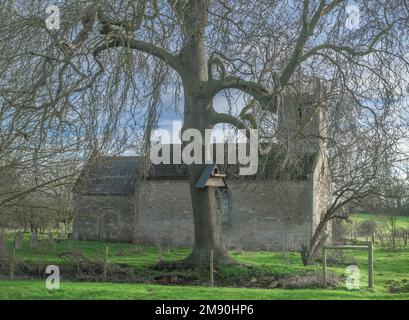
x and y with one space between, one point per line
369 247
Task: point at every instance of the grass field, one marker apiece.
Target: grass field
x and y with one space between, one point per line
79 290
391 274
401 222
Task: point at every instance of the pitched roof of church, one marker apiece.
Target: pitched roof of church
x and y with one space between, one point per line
117 175
108 175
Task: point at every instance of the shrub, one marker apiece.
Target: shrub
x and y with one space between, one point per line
366 228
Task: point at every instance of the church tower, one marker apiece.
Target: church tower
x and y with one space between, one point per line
301 124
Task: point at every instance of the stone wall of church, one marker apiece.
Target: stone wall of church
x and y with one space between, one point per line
103 217
270 215
165 213
265 215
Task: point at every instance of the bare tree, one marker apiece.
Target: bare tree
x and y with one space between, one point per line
368 163
94 69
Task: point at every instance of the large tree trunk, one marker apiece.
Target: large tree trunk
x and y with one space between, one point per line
197 115
207 228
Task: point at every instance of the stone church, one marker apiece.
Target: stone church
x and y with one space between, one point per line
115 201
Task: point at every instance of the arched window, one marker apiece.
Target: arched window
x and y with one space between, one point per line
223 206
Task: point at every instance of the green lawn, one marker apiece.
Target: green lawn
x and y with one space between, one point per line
401 222
391 272
79 290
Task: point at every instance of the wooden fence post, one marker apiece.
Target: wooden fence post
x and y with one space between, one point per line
324 266
104 270
12 262
211 268
370 265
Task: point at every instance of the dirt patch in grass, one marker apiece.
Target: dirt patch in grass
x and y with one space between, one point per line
176 278
301 281
401 286
77 267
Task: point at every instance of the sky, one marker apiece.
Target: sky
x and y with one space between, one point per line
170 120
